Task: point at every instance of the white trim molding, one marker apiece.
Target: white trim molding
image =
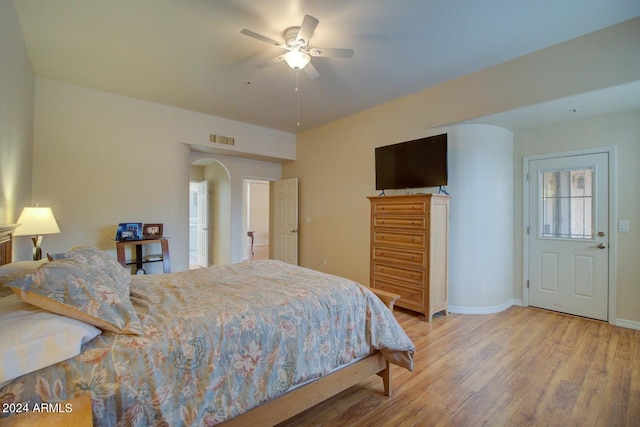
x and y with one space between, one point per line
628 324
483 310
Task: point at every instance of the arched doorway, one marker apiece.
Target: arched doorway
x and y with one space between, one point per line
209 213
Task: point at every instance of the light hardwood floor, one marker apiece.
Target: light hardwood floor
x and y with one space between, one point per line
521 367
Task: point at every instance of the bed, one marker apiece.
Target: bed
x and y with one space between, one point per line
252 343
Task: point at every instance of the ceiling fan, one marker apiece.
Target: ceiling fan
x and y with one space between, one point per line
296 42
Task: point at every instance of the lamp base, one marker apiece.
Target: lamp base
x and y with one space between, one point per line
37 250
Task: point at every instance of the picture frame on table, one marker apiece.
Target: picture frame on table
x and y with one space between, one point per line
152 231
129 231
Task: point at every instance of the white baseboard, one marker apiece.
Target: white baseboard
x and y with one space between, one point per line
483 310
628 324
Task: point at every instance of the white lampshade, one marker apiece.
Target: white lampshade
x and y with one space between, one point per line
36 222
296 59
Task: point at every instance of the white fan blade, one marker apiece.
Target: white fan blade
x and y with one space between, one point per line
311 71
331 52
271 62
309 24
261 37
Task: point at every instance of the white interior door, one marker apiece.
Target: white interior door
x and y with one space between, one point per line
202 232
285 220
569 236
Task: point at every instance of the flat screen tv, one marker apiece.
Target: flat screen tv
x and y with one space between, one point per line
412 164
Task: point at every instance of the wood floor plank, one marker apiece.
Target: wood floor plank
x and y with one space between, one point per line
633 414
520 367
614 411
587 406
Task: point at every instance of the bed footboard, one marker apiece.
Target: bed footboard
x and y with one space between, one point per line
309 395
387 297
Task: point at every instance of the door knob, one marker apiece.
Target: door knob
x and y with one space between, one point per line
600 233
599 246
293 231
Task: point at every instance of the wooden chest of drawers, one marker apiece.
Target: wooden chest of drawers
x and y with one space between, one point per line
409 250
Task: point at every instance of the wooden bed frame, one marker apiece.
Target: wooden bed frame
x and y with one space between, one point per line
5 242
298 399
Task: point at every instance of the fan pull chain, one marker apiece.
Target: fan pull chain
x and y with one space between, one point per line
298 96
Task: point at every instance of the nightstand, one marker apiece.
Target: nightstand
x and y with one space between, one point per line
140 259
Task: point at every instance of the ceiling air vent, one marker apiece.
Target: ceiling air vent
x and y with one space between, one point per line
219 139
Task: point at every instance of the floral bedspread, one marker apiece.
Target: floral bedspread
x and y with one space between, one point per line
217 342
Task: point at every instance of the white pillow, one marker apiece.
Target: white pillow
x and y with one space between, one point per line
15 270
33 338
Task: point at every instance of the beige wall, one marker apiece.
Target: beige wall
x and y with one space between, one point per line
335 163
101 159
16 123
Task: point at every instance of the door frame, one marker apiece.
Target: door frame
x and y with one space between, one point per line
613 218
246 208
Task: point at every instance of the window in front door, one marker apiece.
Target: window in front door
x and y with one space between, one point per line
566 205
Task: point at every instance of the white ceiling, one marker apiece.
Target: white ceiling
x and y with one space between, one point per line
191 54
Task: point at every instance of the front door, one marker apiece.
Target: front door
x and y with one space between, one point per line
569 236
285 220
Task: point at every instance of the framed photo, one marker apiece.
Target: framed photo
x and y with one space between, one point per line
129 231
152 231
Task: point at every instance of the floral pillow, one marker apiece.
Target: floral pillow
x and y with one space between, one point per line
82 291
96 258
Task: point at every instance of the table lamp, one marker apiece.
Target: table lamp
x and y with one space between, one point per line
35 222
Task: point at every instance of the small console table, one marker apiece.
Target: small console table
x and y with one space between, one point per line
140 260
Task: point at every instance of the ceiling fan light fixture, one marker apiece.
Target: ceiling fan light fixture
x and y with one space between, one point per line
297 59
